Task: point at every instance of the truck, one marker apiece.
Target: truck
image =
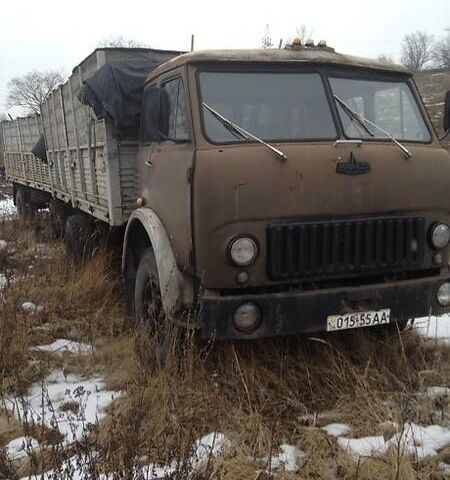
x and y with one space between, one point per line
271 192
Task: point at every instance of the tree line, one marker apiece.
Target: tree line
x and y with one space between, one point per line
419 51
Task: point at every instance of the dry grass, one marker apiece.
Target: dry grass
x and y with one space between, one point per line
260 394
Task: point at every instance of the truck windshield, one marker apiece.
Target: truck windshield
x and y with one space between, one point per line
273 106
388 104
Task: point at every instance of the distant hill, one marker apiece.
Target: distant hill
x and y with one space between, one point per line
433 84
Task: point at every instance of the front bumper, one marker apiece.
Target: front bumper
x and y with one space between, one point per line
295 312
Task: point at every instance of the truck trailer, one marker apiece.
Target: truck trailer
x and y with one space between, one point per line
271 192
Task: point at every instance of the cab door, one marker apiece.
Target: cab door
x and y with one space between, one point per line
168 165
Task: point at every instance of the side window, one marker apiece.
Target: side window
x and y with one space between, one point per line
178 125
147 116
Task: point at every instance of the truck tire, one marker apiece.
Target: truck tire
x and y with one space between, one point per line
25 209
148 307
59 212
79 238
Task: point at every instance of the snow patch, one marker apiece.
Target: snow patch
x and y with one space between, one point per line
421 442
435 328
437 392
3 281
212 444
337 429
289 458
62 345
19 447
7 209
68 470
3 244
77 468
47 402
363 447
31 307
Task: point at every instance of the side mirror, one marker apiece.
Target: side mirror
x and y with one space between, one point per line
447 111
155 115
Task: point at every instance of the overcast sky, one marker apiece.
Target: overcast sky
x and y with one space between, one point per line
48 34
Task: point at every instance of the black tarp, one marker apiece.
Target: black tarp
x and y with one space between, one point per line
116 90
40 149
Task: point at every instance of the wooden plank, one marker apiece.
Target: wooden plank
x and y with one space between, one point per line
77 142
19 133
91 151
49 159
113 186
66 142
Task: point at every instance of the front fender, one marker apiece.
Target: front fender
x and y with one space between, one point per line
170 277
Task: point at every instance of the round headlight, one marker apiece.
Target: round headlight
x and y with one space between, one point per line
443 295
243 251
440 235
246 317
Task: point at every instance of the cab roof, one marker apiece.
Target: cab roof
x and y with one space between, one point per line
310 55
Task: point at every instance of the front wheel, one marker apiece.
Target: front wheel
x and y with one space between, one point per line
25 209
148 306
79 237
59 212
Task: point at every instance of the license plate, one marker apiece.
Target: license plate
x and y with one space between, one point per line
358 320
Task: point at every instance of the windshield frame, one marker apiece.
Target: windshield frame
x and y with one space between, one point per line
405 79
266 68
325 72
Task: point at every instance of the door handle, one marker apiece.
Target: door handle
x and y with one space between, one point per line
149 163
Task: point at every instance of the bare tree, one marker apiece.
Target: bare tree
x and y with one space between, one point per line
385 58
304 32
417 50
442 51
120 42
266 41
32 89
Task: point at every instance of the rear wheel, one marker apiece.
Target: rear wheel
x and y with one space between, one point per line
79 237
148 306
25 209
59 212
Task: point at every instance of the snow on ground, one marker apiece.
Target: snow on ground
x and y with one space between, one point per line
421 442
363 447
3 244
31 307
62 345
48 404
212 444
289 458
3 281
337 429
77 468
435 328
7 208
18 448
69 470
436 392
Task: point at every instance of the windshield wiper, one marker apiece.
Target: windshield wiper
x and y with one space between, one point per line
362 120
238 130
353 115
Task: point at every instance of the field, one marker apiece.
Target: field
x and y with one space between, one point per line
81 396
433 85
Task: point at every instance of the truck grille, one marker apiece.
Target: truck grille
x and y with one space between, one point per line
319 248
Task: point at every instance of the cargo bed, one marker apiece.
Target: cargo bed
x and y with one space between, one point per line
88 163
